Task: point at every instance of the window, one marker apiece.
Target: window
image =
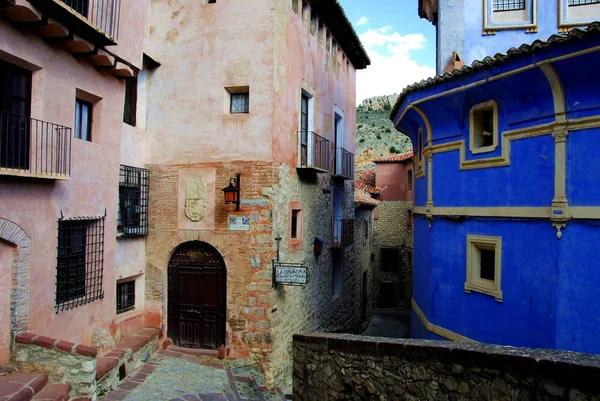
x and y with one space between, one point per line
294 230
582 2
125 296
509 5
336 271
130 108
295 226
79 267
509 14
409 219
83 120
573 13
409 180
389 260
240 103
483 132
484 258
211 1
132 219
15 107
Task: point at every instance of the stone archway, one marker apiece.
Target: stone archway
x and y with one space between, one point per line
19 297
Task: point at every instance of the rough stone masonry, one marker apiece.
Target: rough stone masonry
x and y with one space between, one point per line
349 367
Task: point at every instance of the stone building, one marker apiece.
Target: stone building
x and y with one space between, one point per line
391 183
268 107
139 115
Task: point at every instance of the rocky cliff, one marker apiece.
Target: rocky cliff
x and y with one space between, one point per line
375 133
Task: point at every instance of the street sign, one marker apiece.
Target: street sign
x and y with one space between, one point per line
289 273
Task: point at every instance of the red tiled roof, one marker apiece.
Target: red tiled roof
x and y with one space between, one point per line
395 158
364 180
363 198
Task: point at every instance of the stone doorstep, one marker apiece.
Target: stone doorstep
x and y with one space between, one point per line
21 386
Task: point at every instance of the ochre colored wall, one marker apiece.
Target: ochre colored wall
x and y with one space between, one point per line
393 181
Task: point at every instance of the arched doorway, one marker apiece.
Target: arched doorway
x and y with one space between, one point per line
197 296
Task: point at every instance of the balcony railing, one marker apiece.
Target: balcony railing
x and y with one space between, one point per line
342 232
103 14
344 164
34 148
314 151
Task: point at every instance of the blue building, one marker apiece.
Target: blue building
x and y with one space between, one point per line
478 28
507 196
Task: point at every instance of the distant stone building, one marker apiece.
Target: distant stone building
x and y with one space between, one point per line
390 182
470 30
506 205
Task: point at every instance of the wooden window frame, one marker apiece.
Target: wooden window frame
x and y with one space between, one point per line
474 282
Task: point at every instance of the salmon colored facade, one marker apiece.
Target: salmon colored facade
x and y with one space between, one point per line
86 180
209 90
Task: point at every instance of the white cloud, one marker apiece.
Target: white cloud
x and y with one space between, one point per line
362 21
392 67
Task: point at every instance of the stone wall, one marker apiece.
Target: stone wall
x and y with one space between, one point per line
312 307
247 254
332 367
391 231
62 361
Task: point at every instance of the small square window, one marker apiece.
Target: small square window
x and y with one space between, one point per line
483 132
211 1
294 228
240 102
125 296
83 120
484 258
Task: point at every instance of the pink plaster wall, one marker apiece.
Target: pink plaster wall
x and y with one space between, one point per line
7 257
35 204
204 48
302 62
392 178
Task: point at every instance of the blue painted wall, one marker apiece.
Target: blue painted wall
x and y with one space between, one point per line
550 285
460 27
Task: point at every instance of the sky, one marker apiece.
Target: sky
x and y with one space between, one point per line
401 45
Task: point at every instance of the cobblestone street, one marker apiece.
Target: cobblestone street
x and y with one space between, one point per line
172 376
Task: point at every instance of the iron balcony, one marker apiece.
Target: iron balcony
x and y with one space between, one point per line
342 232
314 152
344 164
34 148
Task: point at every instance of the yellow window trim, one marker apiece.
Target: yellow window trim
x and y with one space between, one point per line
490 104
474 282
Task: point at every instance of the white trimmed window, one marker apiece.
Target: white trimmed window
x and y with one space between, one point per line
509 14
573 13
483 127
484 265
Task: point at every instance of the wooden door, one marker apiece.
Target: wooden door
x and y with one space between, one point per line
197 297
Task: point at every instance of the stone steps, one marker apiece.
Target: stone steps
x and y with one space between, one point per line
54 392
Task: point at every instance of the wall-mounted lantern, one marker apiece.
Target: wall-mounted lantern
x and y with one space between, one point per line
232 191
318 247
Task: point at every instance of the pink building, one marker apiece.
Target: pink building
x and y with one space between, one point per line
111 169
73 190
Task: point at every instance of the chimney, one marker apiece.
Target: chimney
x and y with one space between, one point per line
454 63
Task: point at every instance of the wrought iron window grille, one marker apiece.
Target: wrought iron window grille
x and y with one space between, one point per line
582 2
132 219
509 5
79 261
125 296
